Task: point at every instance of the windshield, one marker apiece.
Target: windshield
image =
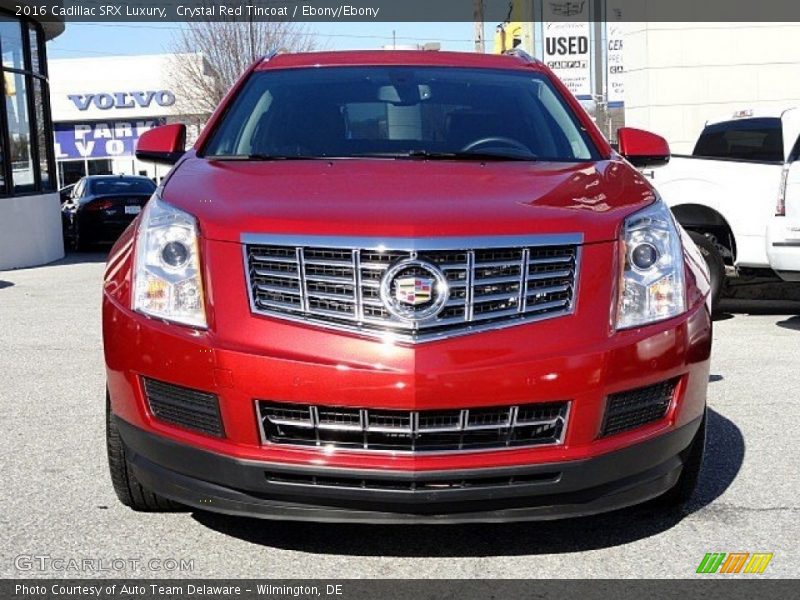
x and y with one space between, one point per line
121 186
399 112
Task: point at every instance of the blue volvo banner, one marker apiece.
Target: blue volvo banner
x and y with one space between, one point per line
100 139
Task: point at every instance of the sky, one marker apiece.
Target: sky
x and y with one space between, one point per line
103 39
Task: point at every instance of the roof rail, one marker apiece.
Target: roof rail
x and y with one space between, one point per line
273 53
521 54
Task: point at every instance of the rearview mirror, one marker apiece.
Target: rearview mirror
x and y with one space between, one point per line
163 145
642 148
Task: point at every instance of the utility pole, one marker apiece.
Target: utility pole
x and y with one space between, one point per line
477 14
251 33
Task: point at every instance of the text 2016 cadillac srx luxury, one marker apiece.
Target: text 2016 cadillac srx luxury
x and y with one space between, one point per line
404 287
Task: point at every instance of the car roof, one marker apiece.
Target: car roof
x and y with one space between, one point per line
400 58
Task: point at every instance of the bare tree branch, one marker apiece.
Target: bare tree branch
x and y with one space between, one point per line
226 49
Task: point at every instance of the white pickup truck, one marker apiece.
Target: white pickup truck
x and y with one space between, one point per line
738 194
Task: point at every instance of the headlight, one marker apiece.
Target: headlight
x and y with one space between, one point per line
167 280
652 283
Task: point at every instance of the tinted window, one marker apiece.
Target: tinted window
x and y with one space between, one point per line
391 111
748 139
121 186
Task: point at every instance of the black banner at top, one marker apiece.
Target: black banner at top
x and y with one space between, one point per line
488 11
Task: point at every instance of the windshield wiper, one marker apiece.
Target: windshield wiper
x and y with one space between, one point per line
428 155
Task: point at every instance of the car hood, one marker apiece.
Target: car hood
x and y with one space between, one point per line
407 198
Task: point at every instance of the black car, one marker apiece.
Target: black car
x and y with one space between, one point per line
65 193
102 206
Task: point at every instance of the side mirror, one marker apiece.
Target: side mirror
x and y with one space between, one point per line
163 145
642 148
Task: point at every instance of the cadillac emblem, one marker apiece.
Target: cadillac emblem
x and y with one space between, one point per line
414 290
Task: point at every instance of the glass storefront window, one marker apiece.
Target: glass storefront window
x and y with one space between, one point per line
26 144
100 167
19 132
71 171
11 43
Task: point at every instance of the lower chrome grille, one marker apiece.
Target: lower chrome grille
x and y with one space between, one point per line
634 408
344 283
413 431
417 484
185 407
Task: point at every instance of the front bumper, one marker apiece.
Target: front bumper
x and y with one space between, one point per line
209 481
244 357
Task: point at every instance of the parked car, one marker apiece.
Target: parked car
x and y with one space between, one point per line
738 194
65 193
404 287
102 206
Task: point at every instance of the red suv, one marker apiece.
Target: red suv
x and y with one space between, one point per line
402 287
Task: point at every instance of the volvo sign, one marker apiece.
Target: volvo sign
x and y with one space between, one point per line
109 100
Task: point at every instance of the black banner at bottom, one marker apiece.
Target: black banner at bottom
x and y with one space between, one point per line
731 588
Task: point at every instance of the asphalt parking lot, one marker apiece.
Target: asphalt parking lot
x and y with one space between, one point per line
57 500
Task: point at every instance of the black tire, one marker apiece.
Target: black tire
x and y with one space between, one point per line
683 490
79 242
716 265
129 491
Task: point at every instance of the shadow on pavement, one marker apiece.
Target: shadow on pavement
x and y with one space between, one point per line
724 457
732 307
791 323
5 284
95 255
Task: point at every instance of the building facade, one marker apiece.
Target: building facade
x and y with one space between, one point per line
680 75
30 219
101 106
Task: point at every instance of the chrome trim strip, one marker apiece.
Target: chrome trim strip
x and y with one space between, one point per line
524 268
412 244
469 305
301 273
357 275
403 338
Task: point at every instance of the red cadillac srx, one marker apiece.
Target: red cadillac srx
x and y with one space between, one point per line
404 287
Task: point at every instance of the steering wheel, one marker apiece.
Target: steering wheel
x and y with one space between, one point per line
505 141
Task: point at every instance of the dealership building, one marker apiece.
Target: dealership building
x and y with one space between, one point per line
30 222
102 105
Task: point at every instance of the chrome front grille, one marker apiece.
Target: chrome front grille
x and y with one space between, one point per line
452 430
336 282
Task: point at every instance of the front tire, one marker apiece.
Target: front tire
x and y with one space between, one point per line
716 265
128 489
